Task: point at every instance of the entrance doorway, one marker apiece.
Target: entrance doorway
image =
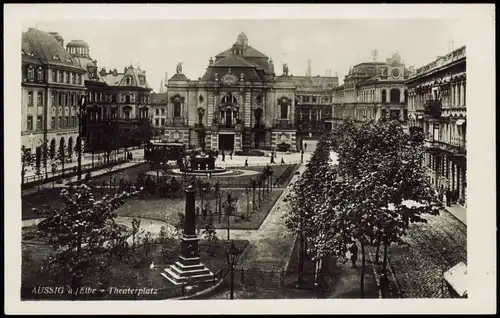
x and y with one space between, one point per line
260 140
226 142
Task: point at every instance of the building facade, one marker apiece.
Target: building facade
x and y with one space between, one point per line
437 107
52 86
239 103
373 90
117 112
159 106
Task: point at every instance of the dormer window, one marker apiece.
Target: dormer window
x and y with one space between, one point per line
69 60
40 74
31 53
56 58
22 52
31 73
129 81
141 79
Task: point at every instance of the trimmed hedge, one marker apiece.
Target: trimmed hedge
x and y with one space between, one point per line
252 152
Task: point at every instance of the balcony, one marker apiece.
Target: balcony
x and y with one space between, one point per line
457 146
283 124
433 108
176 122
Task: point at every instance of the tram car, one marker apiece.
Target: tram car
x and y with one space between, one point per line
171 151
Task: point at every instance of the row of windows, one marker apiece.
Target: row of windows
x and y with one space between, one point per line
316 99
157 112
57 76
157 122
102 97
61 123
57 99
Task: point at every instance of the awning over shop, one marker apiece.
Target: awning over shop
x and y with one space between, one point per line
456 277
460 122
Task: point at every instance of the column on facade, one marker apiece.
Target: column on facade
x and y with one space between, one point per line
210 109
462 95
247 109
457 96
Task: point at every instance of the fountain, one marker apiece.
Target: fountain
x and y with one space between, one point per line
200 165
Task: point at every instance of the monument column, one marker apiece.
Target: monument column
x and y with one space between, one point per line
188 267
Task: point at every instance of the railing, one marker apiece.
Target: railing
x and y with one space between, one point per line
456 146
283 124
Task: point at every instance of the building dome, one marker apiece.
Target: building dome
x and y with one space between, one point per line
77 43
78 48
242 39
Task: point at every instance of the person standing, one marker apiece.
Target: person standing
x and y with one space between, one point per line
305 145
282 161
223 156
272 157
231 155
354 254
246 162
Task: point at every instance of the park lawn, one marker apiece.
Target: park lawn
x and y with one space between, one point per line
166 209
45 198
278 172
122 273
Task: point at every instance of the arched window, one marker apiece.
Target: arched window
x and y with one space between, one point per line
395 95
177 109
284 109
31 73
129 81
70 146
384 96
52 149
61 147
40 74
258 116
229 118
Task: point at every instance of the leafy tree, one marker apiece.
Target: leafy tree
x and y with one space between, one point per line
26 161
81 232
136 233
210 235
384 188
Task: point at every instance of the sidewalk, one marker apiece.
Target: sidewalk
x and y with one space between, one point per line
86 160
75 178
272 245
458 211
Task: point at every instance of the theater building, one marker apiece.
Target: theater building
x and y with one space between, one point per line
239 103
437 107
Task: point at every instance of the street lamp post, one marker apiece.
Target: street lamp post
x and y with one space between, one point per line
81 112
232 254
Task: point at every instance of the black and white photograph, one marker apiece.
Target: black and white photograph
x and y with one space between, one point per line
179 153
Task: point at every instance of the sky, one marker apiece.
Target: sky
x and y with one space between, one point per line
335 44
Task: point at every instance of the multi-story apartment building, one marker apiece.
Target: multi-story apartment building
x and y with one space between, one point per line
117 113
239 103
159 106
52 86
437 107
373 90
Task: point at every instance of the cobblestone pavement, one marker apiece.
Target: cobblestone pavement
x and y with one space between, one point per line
431 248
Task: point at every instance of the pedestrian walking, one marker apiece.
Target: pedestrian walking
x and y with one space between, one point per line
354 254
448 197
231 155
246 162
282 161
272 158
223 156
305 145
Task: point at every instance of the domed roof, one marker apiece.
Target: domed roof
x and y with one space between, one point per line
79 43
242 35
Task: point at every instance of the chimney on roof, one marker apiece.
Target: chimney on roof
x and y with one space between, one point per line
57 36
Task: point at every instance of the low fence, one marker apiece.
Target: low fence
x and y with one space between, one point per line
35 180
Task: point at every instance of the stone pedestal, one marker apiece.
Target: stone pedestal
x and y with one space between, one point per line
188 268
